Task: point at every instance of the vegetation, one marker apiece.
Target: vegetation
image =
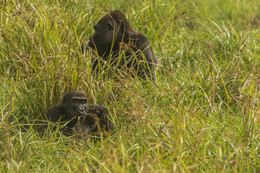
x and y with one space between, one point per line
201 115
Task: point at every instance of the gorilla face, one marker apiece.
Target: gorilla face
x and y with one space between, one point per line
76 106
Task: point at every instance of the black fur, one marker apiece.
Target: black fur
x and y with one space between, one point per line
113 37
75 115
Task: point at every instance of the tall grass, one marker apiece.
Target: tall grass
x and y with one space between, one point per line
201 115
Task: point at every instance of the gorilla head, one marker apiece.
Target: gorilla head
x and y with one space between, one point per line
112 29
75 103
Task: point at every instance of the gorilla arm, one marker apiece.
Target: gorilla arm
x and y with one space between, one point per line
55 113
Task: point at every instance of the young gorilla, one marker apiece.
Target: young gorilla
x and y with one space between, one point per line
113 37
74 107
97 120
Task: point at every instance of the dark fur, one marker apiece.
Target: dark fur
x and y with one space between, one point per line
96 121
113 36
66 114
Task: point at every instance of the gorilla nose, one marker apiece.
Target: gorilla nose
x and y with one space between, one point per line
81 109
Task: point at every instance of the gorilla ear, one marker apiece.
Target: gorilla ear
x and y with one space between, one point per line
110 26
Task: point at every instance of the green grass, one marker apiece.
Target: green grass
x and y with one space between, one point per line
202 115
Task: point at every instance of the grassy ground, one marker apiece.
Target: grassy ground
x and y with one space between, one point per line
202 114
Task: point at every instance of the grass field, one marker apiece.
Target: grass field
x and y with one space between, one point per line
202 114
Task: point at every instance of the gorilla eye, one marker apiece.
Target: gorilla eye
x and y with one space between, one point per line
84 101
110 26
79 101
74 100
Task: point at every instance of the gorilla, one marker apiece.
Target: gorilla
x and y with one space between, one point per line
76 116
96 121
116 42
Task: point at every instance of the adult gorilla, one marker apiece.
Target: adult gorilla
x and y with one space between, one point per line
125 49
